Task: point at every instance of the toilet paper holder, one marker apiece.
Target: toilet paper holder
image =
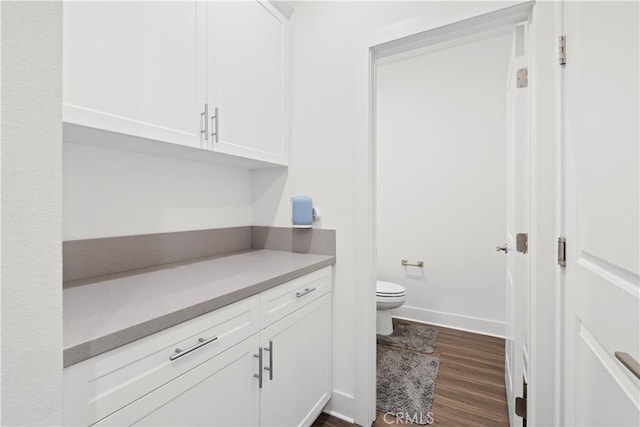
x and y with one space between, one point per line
418 263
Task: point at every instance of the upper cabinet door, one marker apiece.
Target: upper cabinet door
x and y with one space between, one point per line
246 75
136 68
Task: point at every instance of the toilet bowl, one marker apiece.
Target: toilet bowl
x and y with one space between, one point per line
389 295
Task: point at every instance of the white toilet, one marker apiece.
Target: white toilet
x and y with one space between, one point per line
388 296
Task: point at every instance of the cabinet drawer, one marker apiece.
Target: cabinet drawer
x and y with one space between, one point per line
103 384
222 392
282 300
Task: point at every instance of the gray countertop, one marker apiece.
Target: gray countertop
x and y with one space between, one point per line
106 312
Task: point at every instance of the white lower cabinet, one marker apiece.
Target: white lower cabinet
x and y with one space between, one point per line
298 383
246 364
221 391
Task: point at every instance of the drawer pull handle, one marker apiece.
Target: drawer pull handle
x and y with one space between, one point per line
214 124
270 367
629 362
206 122
305 292
259 374
201 343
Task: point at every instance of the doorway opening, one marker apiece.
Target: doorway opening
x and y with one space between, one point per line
450 115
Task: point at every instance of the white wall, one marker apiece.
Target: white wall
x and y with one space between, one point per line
441 191
115 193
31 213
330 123
329 156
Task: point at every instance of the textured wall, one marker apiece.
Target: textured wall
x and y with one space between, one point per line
31 224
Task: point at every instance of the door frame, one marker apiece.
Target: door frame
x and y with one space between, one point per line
543 338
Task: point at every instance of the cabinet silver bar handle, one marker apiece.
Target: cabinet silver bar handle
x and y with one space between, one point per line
629 362
201 343
270 367
214 125
406 263
259 374
206 122
303 293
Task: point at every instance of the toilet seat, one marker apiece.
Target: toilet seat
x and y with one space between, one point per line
389 290
399 294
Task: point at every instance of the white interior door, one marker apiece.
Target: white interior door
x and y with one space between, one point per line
517 221
600 215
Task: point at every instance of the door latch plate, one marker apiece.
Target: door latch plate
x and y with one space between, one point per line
522 242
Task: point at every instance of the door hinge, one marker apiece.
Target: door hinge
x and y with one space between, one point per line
522 77
562 49
522 242
521 404
521 407
562 251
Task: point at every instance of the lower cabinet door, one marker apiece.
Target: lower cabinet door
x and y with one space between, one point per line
297 383
220 392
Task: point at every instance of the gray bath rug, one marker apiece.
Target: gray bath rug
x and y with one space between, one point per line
406 381
411 336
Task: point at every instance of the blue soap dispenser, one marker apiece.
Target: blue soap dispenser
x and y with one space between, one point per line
303 212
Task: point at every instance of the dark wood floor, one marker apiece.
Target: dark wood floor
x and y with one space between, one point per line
470 387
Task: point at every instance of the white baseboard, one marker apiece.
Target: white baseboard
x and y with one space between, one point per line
454 321
341 406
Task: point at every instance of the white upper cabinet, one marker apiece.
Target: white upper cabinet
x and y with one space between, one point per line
147 69
135 68
246 73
